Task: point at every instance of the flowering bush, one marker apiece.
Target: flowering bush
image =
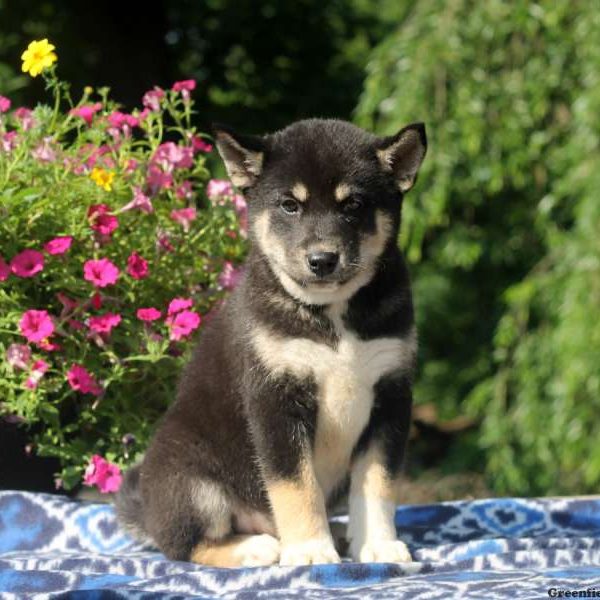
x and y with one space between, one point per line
114 245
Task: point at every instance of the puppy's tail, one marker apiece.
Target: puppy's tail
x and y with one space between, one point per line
128 504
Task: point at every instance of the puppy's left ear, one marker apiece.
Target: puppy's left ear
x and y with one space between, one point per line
243 155
403 153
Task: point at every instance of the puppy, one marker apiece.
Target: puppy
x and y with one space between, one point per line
300 388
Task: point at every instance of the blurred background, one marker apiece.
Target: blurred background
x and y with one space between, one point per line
501 231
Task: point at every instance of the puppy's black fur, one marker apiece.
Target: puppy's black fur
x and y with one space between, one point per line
255 419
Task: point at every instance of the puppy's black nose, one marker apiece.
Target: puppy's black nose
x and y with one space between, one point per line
323 263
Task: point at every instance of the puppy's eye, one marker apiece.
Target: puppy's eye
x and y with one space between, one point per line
289 206
353 204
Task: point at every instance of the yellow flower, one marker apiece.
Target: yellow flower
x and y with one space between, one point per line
102 178
37 57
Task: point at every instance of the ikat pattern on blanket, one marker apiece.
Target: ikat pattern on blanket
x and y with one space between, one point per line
502 548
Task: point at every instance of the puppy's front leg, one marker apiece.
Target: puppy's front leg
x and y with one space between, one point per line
375 479
301 519
372 506
283 424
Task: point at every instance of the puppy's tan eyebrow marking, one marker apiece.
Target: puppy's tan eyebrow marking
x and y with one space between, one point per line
342 191
300 192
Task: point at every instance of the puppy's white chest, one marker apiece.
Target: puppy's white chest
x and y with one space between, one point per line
345 376
346 379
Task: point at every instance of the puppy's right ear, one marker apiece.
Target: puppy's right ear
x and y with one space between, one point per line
243 155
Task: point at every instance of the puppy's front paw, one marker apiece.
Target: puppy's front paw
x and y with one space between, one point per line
258 551
311 552
392 551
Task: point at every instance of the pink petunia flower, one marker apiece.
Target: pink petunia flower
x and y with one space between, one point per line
121 124
240 205
186 84
101 272
96 301
45 151
9 141
36 325
157 179
4 104
148 314
184 216
140 202
104 475
141 115
178 304
182 324
216 188
230 276
137 266
86 112
91 154
81 381
122 120
101 219
152 98
18 356
104 323
25 117
199 145
4 269
27 263
163 242
185 87
58 245
184 190
241 208
38 369
170 155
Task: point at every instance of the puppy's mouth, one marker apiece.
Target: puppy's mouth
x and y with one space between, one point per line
329 282
324 282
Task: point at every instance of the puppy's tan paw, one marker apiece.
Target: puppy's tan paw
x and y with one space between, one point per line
392 551
311 552
258 551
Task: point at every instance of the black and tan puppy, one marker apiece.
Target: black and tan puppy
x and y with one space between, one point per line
300 389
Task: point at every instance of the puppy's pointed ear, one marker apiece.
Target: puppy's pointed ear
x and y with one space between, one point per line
403 153
243 155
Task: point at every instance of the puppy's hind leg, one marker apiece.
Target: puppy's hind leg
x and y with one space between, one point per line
191 519
181 511
220 546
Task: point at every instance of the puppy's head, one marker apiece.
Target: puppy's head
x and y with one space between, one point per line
324 200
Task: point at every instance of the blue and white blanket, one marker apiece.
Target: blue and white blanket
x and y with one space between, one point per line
484 549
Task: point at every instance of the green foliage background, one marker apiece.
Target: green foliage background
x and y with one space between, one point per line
501 229
503 226
260 63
